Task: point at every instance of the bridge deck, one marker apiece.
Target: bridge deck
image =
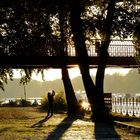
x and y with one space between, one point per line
121 54
56 61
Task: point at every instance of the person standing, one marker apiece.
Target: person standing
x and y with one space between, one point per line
51 102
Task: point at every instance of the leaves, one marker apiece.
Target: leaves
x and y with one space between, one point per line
4 75
26 75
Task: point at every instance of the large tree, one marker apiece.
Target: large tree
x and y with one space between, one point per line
72 103
112 19
29 28
94 92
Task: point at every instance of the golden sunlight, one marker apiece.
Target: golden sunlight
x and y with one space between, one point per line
85 105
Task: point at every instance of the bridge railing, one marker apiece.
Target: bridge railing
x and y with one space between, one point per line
116 48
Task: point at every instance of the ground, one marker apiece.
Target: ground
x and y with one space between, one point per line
29 123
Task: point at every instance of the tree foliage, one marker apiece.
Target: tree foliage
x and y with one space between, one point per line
4 75
27 29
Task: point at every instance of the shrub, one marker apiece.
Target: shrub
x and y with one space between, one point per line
44 103
12 103
24 103
1 102
59 102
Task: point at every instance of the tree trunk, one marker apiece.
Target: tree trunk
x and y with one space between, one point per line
100 84
104 55
94 94
81 52
72 103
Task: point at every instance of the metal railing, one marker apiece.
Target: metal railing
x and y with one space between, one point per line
117 48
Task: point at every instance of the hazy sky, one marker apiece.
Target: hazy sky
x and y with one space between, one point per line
115 83
53 74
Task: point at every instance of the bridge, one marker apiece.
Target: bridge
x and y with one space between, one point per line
121 54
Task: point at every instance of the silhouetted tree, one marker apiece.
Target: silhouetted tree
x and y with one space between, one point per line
80 46
72 103
105 41
28 29
112 20
94 93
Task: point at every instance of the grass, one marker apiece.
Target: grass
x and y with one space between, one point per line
16 123
29 123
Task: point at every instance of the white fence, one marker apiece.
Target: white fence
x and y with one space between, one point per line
126 104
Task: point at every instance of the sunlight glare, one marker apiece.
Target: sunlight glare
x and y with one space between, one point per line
16 73
74 72
52 74
121 71
85 105
37 77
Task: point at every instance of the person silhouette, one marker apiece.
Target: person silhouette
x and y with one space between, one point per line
50 102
